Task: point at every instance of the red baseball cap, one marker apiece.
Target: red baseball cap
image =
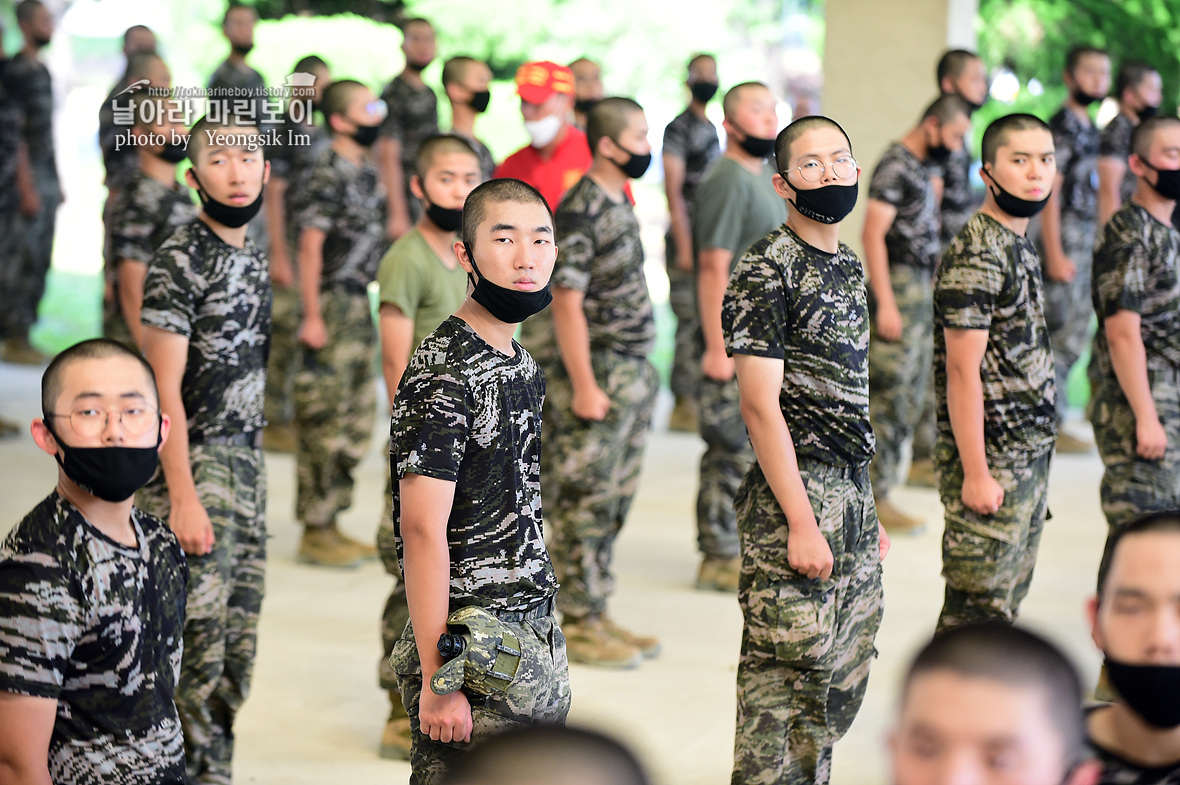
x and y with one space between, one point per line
538 80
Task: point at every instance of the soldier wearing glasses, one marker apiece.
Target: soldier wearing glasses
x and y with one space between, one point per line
92 590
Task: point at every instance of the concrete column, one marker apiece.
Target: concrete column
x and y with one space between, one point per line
879 63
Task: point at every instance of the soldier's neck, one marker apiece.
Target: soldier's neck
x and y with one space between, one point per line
157 168
462 120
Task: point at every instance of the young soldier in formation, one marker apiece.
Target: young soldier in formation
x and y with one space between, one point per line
1064 235
588 89
796 320
736 206
1139 91
92 590
206 319
149 207
465 81
993 375
422 283
413 116
601 387
901 252
120 160
14 170
1136 374
235 73
341 239
467 500
690 146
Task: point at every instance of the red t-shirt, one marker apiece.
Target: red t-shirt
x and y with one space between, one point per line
553 176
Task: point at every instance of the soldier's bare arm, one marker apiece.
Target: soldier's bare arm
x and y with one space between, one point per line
425 509
389 160
1110 177
573 341
1058 266
132 273
312 331
760 380
1129 358
282 274
712 279
397 340
878 220
964 395
674 170
26 725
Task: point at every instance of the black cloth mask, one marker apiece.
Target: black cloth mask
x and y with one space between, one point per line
112 474
1148 112
366 135
419 65
480 100
173 153
826 205
1084 98
510 306
703 91
229 215
243 49
636 165
757 146
1167 182
584 105
1151 691
446 218
938 154
1012 204
41 41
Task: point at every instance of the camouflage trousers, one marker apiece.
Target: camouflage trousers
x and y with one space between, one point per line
806 644
539 695
926 431
114 326
335 408
592 469
285 352
682 296
396 614
726 461
988 560
10 266
27 271
1068 309
1133 487
899 372
225 589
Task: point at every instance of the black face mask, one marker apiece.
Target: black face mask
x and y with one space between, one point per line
584 105
173 153
1167 182
703 91
446 218
1084 98
243 49
972 107
41 41
418 66
756 146
826 205
939 154
1151 691
112 474
636 165
479 101
1013 205
228 215
1148 112
366 135
508 305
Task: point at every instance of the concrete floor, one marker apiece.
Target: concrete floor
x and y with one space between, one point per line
315 714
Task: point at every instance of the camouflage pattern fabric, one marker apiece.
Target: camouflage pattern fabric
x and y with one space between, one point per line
599 254
10 269
468 414
807 645
285 354
144 214
899 372
335 408
244 82
1117 770
224 598
1115 142
988 560
34 253
97 627
1077 142
219 297
412 119
119 161
694 141
11 132
396 613
592 471
1137 268
990 279
787 300
539 695
958 201
27 81
926 431
489 660
726 460
903 182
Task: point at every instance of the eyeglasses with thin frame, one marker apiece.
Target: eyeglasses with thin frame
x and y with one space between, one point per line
813 170
90 421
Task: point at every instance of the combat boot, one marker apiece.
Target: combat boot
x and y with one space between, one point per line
648 645
719 574
684 417
20 352
922 474
895 521
279 438
323 546
589 642
367 552
395 739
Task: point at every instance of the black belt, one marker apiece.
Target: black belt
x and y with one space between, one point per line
244 439
537 611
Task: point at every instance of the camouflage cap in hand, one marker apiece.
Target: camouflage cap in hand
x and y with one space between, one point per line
488 663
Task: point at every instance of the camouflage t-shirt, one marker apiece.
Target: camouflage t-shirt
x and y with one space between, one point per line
1137 268
347 203
98 627
1117 770
694 141
788 300
145 214
120 160
28 81
218 296
600 255
10 136
1115 142
1076 143
958 202
293 160
901 180
469 414
243 91
990 279
412 118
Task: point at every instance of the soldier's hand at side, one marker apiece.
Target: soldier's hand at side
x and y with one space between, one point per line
717 365
396 226
684 260
1151 441
808 552
444 718
982 494
885 542
30 203
190 523
590 404
313 333
282 274
1060 268
888 322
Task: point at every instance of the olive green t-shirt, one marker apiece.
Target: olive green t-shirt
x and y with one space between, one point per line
735 208
413 278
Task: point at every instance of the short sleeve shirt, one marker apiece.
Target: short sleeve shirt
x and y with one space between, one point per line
901 180
555 175
412 118
97 626
469 414
1076 141
990 279
958 202
1115 142
11 120
218 296
145 214
347 203
788 300
1117 770
1137 268
600 255
413 278
693 140
120 160
244 92
736 207
28 81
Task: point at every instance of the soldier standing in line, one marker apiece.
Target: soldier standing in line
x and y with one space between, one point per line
1139 90
122 162
588 88
465 81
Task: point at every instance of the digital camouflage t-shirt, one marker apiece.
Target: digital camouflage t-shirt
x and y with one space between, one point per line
1076 143
901 180
1115 142
469 414
145 214
693 140
958 202
28 83
98 627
